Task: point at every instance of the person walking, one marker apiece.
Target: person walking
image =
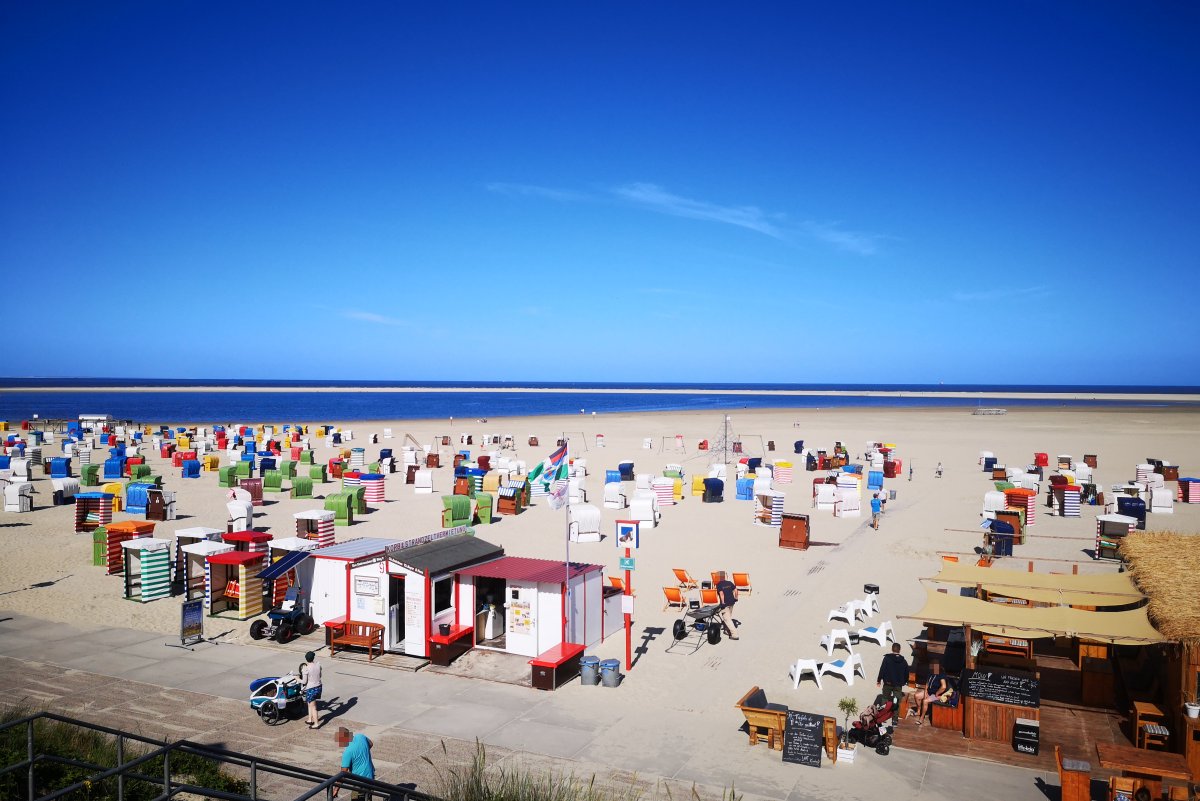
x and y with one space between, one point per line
876 510
893 678
356 760
310 674
728 594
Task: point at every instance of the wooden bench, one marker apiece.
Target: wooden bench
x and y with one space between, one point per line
763 715
355 633
556 666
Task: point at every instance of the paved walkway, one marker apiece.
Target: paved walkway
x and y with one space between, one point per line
136 681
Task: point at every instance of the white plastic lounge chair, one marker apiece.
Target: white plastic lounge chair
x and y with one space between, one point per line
846 668
829 641
880 635
803 666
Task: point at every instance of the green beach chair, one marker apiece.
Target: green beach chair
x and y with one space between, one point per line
1004 485
373 467
359 494
306 457
99 546
89 475
342 506
227 476
302 487
273 481
288 468
137 471
456 511
483 508
244 469
319 472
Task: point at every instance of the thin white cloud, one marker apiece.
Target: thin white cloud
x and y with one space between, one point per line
652 197
372 317
1000 293
655 198
528 190
833 234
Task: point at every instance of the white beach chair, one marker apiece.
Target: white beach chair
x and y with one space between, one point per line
576 492
846 668
241 514
644 507
613 497
644 481
1162 501
848 504
718 471
801 668
584 522
829 641
423 482
880 635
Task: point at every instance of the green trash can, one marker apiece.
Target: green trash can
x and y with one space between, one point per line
100 547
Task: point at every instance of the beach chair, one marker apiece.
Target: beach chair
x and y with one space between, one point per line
675 599
613 497
880 635
644 508
626 470
423 482
483 508
617 582
456 511
846 668
576 492
843 613
802 667
686 582
742 582
714 490
709 597
830 641
583 522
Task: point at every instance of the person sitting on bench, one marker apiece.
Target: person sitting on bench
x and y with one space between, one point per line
937 689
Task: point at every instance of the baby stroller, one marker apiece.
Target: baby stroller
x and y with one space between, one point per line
276 697
874 726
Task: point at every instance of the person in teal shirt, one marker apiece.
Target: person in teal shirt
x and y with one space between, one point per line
356 758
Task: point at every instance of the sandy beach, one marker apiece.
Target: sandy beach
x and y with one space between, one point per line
46 569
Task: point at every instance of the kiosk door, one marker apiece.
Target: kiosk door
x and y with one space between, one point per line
395 613
521 606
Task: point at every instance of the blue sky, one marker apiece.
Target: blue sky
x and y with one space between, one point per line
864 192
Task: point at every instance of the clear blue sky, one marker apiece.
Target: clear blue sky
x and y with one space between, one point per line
857 192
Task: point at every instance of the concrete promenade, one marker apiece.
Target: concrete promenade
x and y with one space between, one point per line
136 681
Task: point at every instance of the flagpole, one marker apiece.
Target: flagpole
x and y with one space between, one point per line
567 564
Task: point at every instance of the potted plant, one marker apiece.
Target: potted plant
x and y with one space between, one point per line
1190 707
845 751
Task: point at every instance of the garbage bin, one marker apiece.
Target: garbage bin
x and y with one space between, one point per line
589 670
891 495
610 672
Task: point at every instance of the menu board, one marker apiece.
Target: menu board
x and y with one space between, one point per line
803 738
1000 687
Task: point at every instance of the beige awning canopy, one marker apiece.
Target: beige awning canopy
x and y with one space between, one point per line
1099 589
1004 620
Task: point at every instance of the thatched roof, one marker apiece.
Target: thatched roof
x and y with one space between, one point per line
1166 567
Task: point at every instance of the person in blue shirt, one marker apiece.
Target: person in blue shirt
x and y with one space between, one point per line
876 508
356 759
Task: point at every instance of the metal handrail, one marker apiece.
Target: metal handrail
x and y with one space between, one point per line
163 748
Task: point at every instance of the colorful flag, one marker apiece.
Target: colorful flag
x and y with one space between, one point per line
552 468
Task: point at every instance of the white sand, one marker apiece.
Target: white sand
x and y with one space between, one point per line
793 590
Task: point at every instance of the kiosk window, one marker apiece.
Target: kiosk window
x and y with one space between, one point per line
443 594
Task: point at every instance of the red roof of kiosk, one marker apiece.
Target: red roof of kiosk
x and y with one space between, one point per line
235 557
523 568
248 536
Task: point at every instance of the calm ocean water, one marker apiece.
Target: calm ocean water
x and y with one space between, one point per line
315 406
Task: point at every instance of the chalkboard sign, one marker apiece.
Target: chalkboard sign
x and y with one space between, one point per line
803 738
1002 688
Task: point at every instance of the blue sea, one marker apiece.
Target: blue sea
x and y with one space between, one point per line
151 406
